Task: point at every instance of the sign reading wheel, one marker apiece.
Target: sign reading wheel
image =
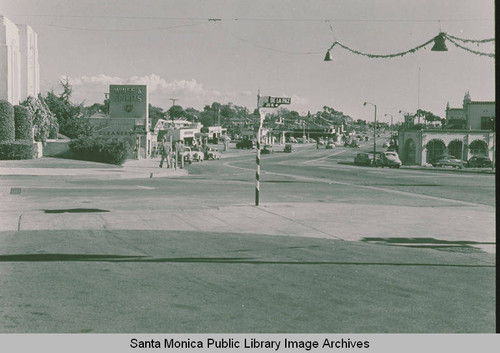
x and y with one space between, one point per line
128 101
273 102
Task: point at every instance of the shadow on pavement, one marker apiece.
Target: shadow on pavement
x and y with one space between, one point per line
76 210
219 260
430 243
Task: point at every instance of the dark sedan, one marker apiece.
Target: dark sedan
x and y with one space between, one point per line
479 162
362 159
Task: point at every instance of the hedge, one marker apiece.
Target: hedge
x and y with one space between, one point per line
21 149
23 122
7 125
100 149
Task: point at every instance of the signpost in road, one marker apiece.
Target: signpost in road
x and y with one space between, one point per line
264 102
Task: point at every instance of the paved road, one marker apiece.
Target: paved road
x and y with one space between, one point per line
332 248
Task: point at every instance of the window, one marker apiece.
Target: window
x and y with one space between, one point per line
487 123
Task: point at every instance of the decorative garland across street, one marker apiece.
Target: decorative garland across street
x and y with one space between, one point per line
491 55
440 36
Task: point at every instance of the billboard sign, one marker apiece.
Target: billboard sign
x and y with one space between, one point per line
128 101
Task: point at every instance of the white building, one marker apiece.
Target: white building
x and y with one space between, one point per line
470 131
19 67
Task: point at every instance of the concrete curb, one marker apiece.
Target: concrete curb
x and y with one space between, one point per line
132 169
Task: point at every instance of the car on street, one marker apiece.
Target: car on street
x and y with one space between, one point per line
267 149
197 154
185 155
447 160
211 153
288 148
388 159
352 143
246 143
479 162
362 159
330 145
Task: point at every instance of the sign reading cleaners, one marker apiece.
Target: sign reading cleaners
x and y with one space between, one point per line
128 101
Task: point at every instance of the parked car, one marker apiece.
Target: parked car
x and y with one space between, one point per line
185 155
197 154
362 159
267 149
388 159
211 153
479 162
246 143
447 160
330 146
288 148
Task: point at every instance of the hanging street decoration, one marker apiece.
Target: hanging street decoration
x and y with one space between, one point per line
439 45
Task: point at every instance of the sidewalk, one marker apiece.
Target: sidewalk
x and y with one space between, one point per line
408 226
131 169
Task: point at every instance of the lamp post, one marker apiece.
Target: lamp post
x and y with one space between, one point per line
391 118
374 132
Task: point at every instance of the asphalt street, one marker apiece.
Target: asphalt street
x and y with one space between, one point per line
333 247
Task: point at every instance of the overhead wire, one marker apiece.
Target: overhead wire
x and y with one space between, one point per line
128 30
258 19
204 20
124 30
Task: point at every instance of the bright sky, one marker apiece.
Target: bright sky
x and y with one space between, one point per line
275 46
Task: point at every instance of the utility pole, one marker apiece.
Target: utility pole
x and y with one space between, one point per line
374 132
173 103
418 95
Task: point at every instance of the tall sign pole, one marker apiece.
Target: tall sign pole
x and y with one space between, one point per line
264 102
257 172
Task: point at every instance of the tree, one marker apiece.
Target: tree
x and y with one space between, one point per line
95 108
70 116
44 121
428 116
155 114
176 112
191 114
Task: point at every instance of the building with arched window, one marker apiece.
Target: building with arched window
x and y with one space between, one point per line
469 131
19 67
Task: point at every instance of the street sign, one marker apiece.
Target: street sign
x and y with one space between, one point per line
273 102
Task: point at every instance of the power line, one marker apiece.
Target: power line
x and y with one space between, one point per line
123 30
268 48
257 19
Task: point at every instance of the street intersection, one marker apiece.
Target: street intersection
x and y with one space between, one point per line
332 247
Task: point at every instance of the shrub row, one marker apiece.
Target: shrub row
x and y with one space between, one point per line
7 126
23 123
100 149
22 149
